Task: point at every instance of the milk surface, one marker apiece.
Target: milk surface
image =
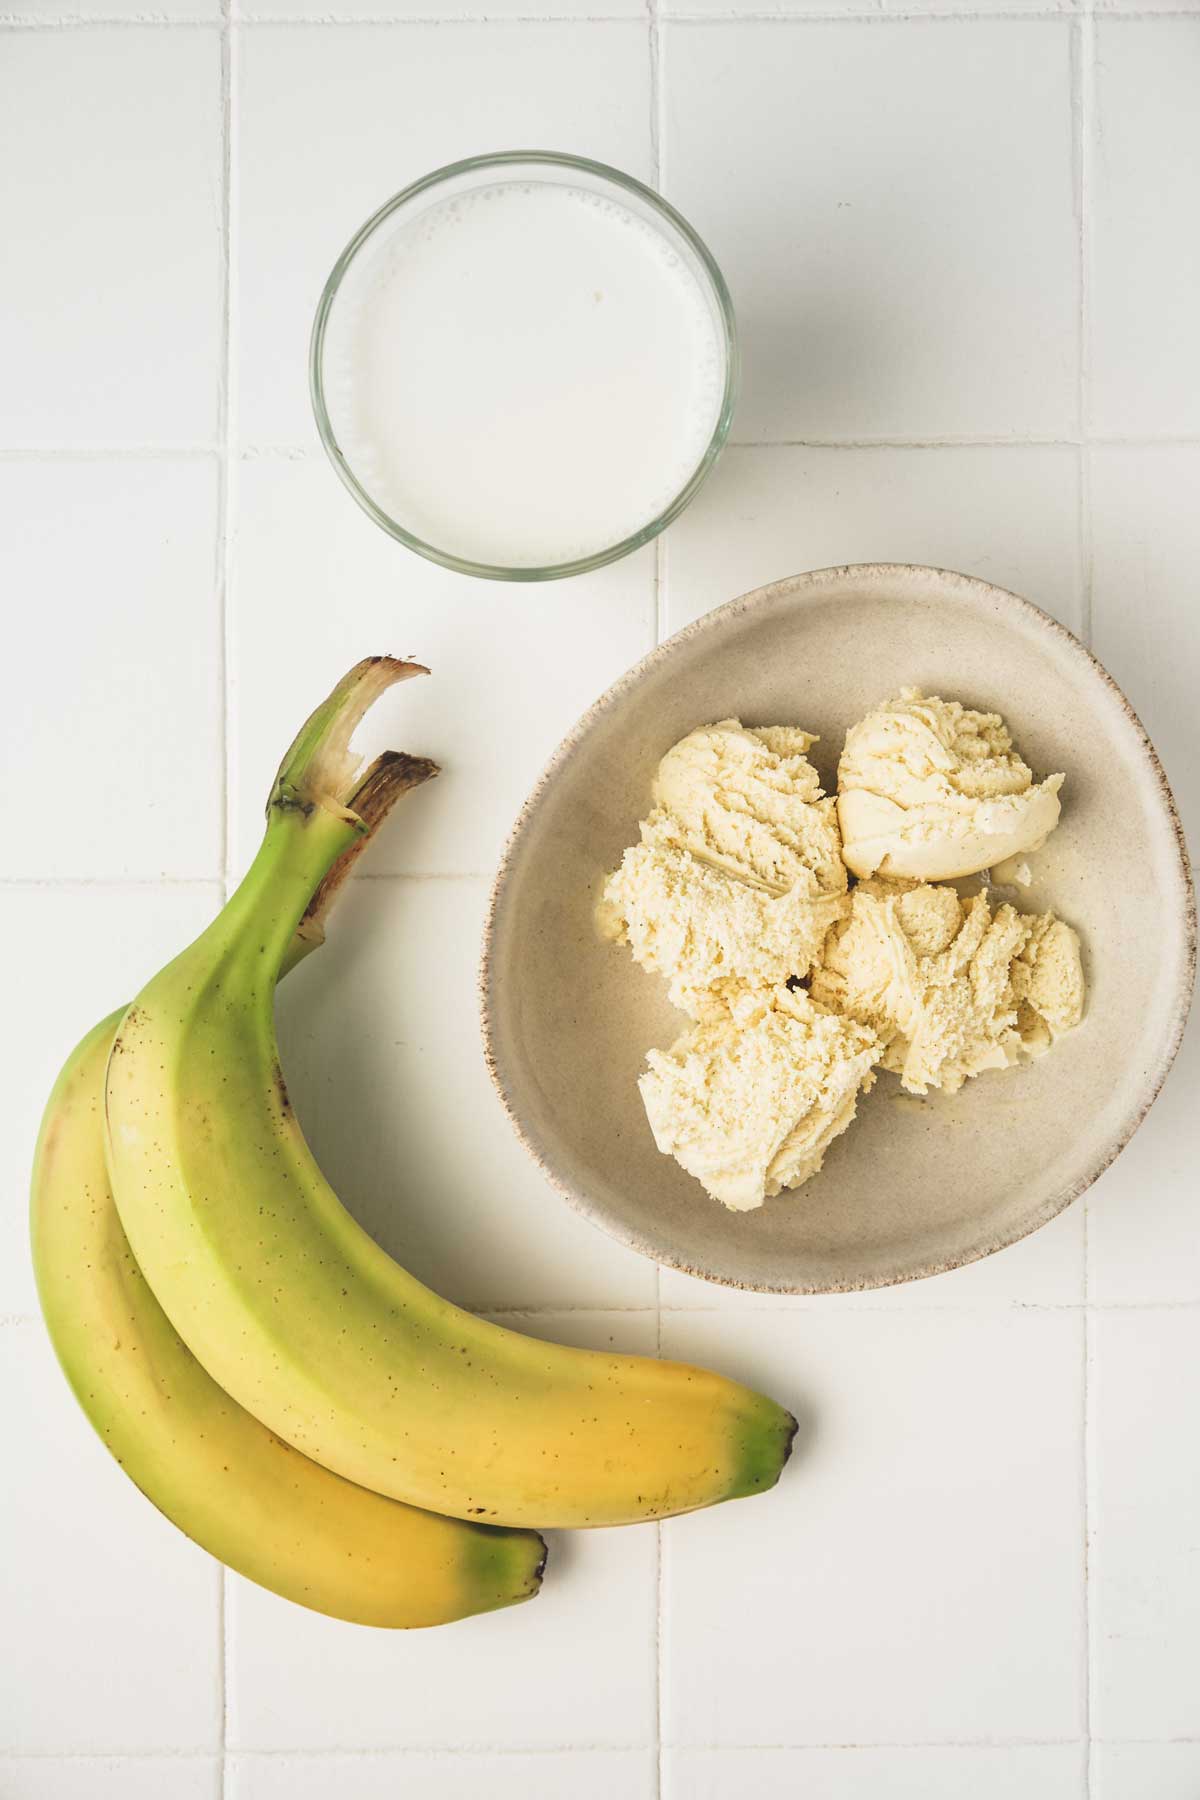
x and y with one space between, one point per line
525 374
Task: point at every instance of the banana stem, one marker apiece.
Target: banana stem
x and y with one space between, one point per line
320 813
389 776
319 769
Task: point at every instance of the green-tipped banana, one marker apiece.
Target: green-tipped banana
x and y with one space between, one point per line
301 1316
213 1469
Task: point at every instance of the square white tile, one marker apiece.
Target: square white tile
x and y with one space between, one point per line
117 1612
83 951
1045 1269
918 1573
511 669
333 121
1008 515
1145 279
381 1044
1037 1772
1144 1393
110 742
1145 1771
111 312
898 236
573 1667
581 1774
110 1778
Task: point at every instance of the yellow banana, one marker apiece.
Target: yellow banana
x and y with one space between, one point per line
301 1316
213 1469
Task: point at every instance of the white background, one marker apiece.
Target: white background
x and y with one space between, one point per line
965 252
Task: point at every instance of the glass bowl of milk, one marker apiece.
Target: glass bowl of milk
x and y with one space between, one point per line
524 365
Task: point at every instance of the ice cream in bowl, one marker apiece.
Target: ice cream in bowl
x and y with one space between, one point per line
759 1063
802 987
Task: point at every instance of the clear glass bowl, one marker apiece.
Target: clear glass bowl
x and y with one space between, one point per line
462 178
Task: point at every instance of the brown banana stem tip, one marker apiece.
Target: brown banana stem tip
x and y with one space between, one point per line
392 774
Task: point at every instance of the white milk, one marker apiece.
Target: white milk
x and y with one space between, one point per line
524 375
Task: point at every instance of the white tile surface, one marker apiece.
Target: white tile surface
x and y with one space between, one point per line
110 1778
381 1044
432 10
1037 1772
574 1666
918 1574
111 742
958 9
920 281
73 12
581 1774
83 952
1145 1771
111 310
1145 1571
332 122
766 9
1009 515
1146 260
117 1612
511 670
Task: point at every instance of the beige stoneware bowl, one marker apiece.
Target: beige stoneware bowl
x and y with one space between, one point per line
915 1186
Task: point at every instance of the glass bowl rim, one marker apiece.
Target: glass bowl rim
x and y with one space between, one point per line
500 160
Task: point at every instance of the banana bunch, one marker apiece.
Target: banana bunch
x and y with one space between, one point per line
278 1386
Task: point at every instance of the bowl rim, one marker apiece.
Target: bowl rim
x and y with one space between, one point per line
978 593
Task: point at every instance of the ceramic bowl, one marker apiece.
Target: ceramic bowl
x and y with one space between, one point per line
915 1186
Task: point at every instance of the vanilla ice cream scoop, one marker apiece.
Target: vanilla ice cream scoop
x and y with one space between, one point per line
739 872
750 1102
950 987
750 802
931 790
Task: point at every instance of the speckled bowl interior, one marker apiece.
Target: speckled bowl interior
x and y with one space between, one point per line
915 1186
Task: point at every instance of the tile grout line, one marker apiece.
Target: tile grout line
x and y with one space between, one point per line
109 881
1089 1656
350 1752
226 423
657 141
1086 119
654 46
225 434
86 453
299 453
959 15
797 1305
833 16
1081 54
1148 441
353 1752
215 880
